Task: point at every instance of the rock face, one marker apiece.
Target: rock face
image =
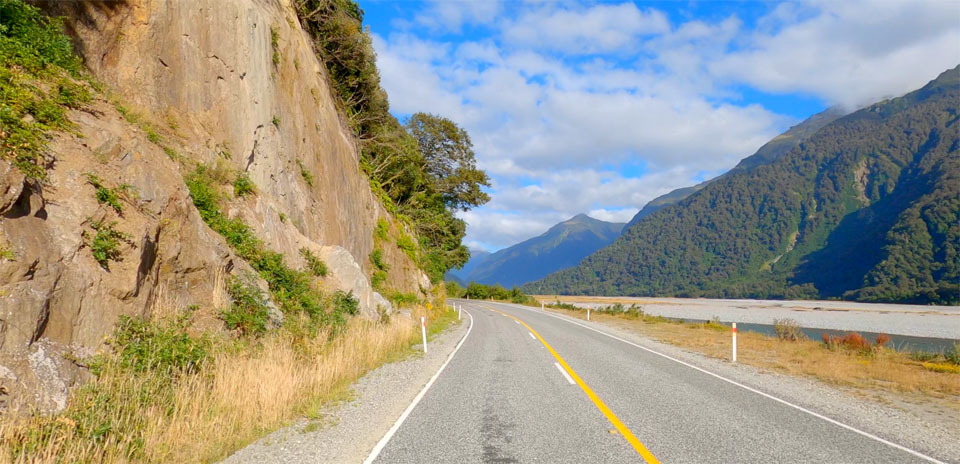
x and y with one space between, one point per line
218 88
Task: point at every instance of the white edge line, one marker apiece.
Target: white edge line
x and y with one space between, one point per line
531 335
751 389
565 375
396 425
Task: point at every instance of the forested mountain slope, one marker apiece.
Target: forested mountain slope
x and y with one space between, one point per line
768 153
867 208
562 246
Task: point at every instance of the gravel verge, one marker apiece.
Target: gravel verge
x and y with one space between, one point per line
349 431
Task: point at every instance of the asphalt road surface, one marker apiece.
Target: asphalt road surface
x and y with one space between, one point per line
530 387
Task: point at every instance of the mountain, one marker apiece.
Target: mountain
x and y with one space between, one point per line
462 275
866 208
564 245
767 154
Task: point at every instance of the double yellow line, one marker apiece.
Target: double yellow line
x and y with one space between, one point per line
624 431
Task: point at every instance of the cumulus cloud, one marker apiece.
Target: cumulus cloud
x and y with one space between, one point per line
849 53
601 28
560 99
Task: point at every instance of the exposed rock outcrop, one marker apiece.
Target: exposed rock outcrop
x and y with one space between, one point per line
222 82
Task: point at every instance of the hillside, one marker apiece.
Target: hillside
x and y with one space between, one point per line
562 246
236 180
767 154
867 208
462 275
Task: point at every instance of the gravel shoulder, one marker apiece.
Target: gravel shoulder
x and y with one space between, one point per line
913 320
916 426
348 431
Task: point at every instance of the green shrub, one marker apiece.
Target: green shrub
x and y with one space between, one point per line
376 257
377 279
953 354
274 43
291 289
381 230
38 73
345 303
108 196
105 244
248 313
454 290
242 185
403 299
7 253
142 345
276 121
316 265
406 243
307 177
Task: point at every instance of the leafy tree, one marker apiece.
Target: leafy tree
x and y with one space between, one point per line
449 161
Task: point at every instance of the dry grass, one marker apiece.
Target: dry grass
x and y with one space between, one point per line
882 370
247 389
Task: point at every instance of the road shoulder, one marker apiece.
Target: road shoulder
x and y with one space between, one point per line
348 431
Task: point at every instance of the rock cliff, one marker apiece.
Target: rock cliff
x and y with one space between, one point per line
231 84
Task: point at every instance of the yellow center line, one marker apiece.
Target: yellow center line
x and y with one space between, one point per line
624 431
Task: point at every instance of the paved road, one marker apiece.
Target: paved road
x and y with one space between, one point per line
504 399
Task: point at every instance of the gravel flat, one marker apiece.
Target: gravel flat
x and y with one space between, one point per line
914 320
349 431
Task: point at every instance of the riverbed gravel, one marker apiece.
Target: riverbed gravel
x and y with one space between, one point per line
913 320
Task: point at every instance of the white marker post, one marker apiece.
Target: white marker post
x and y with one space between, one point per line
423 330
734 342
588 313
459 310
541 307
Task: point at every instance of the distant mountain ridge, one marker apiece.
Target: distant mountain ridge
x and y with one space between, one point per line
562 246
768 153
865 208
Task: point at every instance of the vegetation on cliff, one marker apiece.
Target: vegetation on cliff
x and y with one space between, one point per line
867 208
39 82
424 170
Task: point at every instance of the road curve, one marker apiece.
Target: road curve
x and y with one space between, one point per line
519 390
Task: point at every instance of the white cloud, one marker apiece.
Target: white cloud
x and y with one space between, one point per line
558 96
601 28
852 53
452 15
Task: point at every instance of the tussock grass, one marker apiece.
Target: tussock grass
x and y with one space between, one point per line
244 389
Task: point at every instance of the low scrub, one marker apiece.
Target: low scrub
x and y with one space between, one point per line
40 80
788 330
106 241
293 290
855 342
163 395
477 291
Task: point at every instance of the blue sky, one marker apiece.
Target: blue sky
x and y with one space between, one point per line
599 107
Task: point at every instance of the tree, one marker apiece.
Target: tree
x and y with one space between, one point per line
449 161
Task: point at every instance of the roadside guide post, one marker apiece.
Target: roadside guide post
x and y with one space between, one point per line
541 306
734 342
459 310
423 330
588 313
